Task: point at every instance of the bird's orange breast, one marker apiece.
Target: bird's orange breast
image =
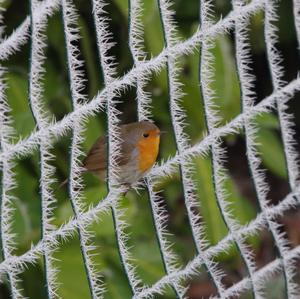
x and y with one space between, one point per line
148 151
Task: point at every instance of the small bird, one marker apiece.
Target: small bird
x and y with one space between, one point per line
138 152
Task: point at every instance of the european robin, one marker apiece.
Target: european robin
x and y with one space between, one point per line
138 152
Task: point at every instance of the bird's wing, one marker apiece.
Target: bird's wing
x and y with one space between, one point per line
96 159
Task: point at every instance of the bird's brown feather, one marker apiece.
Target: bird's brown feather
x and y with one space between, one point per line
96 159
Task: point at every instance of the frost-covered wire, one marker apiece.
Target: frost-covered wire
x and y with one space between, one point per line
7 238
136 46
158 212
104 44
246 79
178 118
218 154
159 215
8 183
42 119
248 97
77 81
287 134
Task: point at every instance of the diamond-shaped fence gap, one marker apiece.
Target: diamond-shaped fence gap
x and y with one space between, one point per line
171 200
88 48
286 221
225 79
274 287
240 174
201 285
116 19
148 266
277 71
278 182
57 99
60 150
241 208
7 200
262 244
107 258
159 92
68 266
293 107
17 99
187 17
212 220
285 12
153 32
33 278
128 105
107 255
267 128
290 222
26 203
189 77
258 56
232 264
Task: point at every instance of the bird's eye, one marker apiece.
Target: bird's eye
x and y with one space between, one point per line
145 135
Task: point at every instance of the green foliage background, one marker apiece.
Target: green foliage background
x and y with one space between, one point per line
57 99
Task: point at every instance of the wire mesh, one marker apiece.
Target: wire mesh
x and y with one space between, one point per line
33 31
